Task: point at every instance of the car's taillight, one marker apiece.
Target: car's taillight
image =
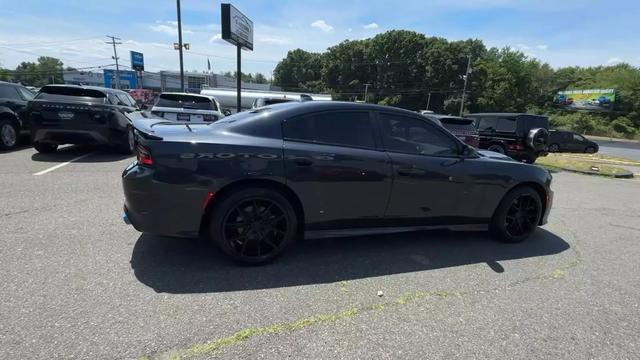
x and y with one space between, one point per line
144 156
515 147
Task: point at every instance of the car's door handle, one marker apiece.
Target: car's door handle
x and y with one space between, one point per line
304 162
408 171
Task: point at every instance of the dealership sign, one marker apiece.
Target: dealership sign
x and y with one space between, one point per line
137 61
587 99
236 28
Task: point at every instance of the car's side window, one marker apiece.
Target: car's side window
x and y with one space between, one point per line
346 128
506 124
9 92
415 136
578 138
26 94
487 124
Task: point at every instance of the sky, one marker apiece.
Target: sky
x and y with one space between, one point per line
561 33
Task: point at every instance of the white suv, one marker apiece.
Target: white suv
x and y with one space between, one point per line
187 107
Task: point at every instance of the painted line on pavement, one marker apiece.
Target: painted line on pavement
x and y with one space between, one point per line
63 164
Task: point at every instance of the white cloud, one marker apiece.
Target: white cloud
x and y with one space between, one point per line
322 25
523 47
169 28
614 60
542 47
371 26
216 39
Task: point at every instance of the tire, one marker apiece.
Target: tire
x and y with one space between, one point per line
9 135
497 148
554 148
512 223
253 226
128 144
590 150
45 148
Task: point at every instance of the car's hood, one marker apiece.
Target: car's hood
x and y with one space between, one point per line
494 155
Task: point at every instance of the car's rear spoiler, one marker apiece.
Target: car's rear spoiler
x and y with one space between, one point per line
143 122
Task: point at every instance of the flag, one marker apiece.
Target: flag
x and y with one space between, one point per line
208 65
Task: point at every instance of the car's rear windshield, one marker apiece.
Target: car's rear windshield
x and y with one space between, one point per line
456 121
186 101
68 93
276 101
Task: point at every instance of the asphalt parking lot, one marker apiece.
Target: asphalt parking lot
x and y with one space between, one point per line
79 283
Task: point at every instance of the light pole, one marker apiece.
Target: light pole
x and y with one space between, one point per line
115 57
366 88
180 47
464 89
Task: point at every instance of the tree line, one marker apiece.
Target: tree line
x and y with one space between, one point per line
410 70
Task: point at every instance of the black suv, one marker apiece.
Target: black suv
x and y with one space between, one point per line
13 104
523 137
69 114
569 141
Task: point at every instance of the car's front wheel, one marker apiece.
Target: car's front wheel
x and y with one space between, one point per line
590 150
254 225
554 148
518 215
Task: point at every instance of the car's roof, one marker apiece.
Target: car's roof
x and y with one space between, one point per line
10 83
88 87
292 108
503 114
443 116
184 93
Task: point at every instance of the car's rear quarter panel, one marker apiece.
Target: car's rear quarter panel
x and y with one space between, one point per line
194 170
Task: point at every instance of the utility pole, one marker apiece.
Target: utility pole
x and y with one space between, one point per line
180 47
464 89
115 57
366 88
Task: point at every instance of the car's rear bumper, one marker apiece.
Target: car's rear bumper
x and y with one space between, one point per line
151 205
67 136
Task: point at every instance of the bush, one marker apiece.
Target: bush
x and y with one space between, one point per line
623 126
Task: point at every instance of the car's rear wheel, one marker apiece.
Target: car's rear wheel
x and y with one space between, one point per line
8 135
254 225
590 150
497 148
518 215
128 145
554 148
45 147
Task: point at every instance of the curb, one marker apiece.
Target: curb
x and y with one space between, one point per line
625 175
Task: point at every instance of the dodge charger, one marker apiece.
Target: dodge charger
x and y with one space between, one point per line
256 181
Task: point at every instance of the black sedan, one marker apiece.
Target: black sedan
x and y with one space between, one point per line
255 181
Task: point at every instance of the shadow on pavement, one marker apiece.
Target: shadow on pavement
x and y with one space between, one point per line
101 154
174 265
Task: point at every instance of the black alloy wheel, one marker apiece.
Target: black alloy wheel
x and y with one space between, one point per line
518 215
522 216
254 226
590 150
554 148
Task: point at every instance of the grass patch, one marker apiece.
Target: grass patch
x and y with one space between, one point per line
587 165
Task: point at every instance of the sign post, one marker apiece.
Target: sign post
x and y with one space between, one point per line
137 64
237 29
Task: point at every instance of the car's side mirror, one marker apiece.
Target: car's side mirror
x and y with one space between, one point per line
467 151
226 112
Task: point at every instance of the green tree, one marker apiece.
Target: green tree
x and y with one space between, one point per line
297 69
47 70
